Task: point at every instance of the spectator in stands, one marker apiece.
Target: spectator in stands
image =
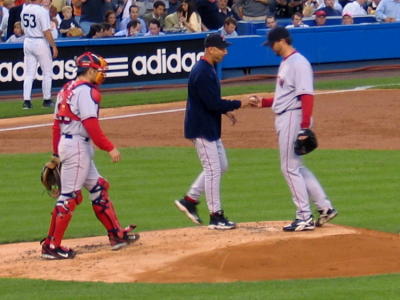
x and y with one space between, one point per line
95 31
320 18
173 6
371 7
224 11
154 28
18 36
282 9
329 8
127 4
229 28
14 15
68 21
347 19
270 22
388 11
297 21
111 19
59 4
309 7
93 12
158 14
76 9
255 10
4 12
191 20
108 30
208 11
355 8
295 6
133 16
174 21
132 29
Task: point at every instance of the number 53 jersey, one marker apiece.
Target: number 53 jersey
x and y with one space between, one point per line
35 19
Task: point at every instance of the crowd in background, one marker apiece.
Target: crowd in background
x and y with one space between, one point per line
129 18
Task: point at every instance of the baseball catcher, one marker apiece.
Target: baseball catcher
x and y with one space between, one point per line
306 142
75 129
50 177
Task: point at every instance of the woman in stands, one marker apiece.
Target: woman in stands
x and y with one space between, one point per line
111 18
191 19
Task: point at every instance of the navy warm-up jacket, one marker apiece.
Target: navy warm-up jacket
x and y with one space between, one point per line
204 104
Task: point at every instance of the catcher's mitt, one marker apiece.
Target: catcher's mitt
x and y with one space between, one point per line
50 177
306 142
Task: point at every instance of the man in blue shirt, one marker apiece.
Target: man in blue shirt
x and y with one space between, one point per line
203 126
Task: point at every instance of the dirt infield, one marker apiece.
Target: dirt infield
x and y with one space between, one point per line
254 251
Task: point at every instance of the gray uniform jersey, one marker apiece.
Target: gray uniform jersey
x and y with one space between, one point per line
295 78
83 106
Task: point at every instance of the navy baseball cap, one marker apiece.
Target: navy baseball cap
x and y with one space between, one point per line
216 40
275 35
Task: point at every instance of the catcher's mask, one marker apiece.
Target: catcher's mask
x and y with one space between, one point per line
91 60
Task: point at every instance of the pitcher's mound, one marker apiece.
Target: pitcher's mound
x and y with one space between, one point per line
253 251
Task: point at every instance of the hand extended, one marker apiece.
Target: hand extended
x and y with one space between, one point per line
115 155
254 101
231 116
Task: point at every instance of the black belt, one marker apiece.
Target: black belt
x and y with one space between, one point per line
70 136
35 37
282 112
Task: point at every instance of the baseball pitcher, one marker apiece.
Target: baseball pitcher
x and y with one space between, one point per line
293 105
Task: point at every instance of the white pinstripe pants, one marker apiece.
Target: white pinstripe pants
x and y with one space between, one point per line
214 162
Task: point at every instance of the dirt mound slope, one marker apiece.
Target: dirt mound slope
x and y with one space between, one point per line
254 251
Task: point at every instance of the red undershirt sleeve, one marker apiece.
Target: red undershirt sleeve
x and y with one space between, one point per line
267 102
56 136
92 126
307 103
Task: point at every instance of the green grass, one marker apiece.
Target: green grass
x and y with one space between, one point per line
367 288
362 184
12 108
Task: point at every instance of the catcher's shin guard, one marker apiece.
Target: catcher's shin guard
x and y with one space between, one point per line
61 216
103 207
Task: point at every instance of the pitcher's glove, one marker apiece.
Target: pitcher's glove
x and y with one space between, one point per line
50 177
306 142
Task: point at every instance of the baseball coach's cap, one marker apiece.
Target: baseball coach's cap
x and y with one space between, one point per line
216 40
275 35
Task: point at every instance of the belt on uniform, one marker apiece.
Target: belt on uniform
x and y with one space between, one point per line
70 136
35 37
286 110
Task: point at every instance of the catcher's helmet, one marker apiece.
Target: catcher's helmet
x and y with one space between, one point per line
91 60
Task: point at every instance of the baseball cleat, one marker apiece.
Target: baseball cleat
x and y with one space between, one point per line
57 253
117 242
48 103
325 216
27 104
190 209
220 222
300 225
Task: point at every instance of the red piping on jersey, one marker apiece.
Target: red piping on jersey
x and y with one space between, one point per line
295 51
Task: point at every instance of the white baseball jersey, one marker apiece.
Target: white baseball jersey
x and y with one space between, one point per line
35 19
83 106
295 78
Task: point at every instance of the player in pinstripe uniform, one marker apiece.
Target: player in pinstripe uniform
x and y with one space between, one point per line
35 21
293 104
203 126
